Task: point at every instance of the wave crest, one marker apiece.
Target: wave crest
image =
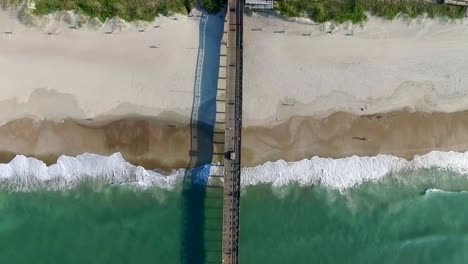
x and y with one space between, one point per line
24 173
345 173
439 191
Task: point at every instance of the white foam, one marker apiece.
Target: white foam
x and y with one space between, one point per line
342 174
438 191
24 173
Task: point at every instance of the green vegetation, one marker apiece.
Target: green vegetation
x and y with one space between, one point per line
6 3
213 6
317 10
354 10
129 10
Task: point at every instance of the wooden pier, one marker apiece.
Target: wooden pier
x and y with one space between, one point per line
233 126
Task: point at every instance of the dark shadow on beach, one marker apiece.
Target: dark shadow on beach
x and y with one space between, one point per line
202 205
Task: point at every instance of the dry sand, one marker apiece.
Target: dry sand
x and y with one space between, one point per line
86 73
381 66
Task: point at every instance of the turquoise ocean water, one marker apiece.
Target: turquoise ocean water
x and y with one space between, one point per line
403 218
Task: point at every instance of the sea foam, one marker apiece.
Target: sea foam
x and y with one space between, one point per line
24 173
345 173
439 191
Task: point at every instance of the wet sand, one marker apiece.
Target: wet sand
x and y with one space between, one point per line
342 135
142 142
157 145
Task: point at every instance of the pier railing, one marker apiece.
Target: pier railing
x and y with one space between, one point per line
233 126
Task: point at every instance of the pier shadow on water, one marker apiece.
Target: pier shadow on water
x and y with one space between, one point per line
202 205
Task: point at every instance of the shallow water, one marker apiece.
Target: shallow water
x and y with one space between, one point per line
396 220
112 225
386 222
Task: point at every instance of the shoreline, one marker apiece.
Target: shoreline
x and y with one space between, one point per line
143 142
401 134
159 145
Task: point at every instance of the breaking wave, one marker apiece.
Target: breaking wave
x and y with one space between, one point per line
342 174
439 191
24 173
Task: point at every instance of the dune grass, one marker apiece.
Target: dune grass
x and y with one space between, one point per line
317 10
129 10
7 3
354 10
213 6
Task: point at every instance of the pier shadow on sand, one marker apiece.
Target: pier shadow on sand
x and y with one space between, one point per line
202 206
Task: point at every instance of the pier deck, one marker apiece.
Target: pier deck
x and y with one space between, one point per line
232 147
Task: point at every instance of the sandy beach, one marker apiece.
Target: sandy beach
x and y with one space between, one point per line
385 87
380 66
86 73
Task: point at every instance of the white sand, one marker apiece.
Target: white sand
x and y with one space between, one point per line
420 65
86 73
